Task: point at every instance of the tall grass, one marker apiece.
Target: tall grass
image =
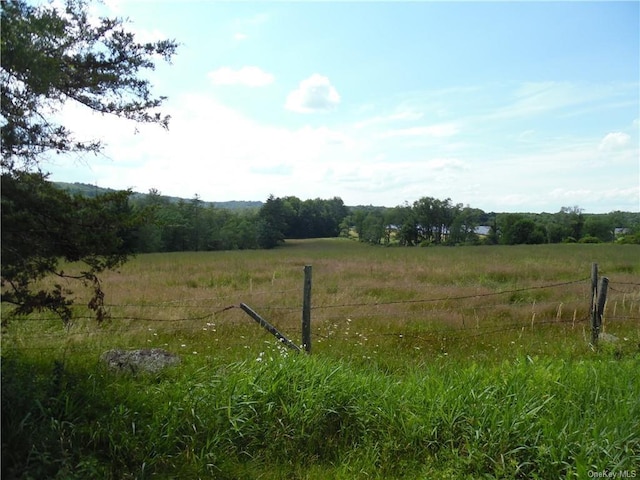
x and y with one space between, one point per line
311 417
427 363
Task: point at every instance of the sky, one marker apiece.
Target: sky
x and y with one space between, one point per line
503 106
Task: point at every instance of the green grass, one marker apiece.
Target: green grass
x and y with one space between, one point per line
470 383
295 415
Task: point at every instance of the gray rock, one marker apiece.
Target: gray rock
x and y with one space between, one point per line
145 360
608 338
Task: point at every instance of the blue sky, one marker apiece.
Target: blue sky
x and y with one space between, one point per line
505 106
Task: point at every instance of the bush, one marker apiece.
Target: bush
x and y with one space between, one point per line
633 239
589 239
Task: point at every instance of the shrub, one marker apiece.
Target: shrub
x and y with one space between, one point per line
590 239
633 239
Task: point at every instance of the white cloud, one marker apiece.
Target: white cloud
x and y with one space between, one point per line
224 154
314 94
621 195
113 5
438 131
391 180
564 195
402 115
248 76
110 9
444 163
209 149
614 141
526 136
246 27
405 115
532 99
257 19
148 36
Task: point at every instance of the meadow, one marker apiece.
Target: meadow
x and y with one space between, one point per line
461 362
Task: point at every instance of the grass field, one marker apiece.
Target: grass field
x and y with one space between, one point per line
469 362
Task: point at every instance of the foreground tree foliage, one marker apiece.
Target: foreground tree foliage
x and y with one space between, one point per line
41 225
51 57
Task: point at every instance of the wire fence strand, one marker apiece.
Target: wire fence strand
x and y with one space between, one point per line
371 310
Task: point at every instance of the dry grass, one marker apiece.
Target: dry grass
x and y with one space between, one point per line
393 305
427 363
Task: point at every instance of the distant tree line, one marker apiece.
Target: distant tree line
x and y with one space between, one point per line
430 221
167 224
427 221
568 225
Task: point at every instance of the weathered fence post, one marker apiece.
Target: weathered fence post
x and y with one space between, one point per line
268 327
306 310
592 306
594 286
599 310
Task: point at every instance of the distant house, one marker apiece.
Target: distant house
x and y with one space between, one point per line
482 230
620 231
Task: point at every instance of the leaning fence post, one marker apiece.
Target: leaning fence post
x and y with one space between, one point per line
306 310
594 286
268 327
599 310
592 306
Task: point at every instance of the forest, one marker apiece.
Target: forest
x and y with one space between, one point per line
167 224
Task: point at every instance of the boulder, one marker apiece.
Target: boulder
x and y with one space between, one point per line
145 360
608 338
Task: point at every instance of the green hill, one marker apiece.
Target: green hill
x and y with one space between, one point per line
94 191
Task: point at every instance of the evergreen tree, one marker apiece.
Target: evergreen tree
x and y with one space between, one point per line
50 57
42 224
271 223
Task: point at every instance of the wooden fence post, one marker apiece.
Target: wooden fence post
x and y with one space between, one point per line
594 285
602 300
592 306
306 310
268 327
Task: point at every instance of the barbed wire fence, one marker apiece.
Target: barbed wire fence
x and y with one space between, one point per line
466 316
